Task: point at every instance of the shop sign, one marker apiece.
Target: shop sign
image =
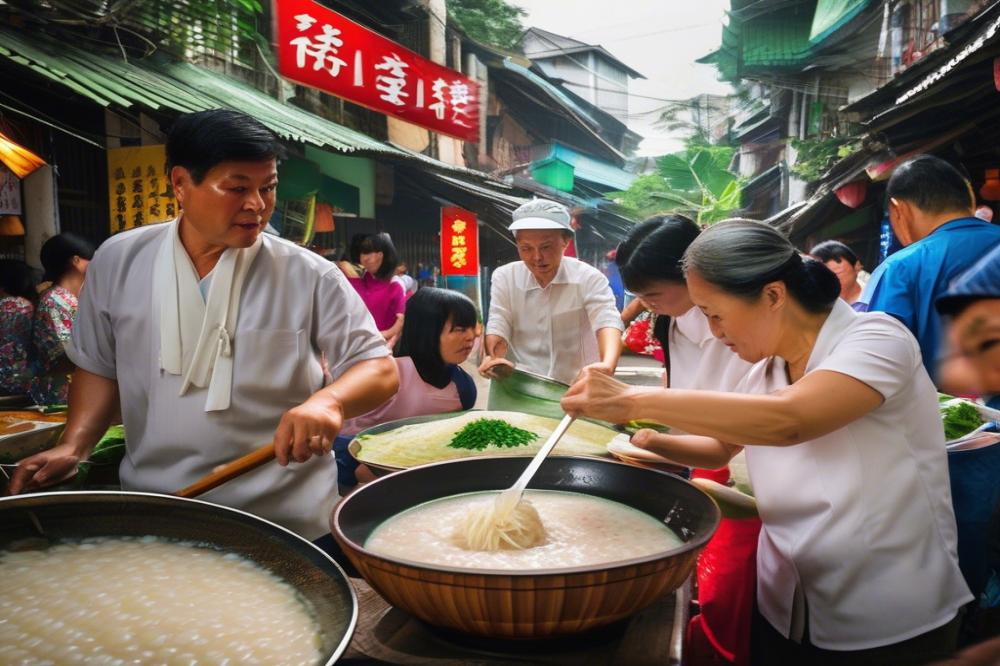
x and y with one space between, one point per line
138 187
10 192
459 242
320 48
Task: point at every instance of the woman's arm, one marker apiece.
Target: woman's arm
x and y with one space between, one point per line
632 310
689 450
817 404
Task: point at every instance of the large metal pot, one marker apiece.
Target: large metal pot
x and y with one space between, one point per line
77 515
535 603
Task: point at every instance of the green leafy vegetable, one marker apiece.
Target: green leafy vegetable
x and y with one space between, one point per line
960 418
481 433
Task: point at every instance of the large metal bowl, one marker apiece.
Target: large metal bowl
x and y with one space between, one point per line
529 604
77 515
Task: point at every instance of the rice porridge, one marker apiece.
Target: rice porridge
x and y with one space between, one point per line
580 530
148 600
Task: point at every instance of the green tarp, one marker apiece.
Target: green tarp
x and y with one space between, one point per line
831 15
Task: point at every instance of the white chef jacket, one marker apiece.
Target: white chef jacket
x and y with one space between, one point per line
552 331
698 359
859 534
294 305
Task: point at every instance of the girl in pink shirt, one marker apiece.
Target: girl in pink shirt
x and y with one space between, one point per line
438 334
382 294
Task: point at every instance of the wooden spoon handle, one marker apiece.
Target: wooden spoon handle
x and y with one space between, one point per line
231 470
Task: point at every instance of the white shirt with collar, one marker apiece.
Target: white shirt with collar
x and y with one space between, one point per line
698 359
552 331
859 535
293 306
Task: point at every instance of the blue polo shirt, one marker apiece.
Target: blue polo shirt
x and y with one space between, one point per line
907 283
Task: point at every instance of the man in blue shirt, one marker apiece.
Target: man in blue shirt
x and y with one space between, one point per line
930 209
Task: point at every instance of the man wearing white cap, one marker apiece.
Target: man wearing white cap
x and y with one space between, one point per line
550 314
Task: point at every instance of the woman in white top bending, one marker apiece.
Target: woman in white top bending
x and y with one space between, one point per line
857 558
649 260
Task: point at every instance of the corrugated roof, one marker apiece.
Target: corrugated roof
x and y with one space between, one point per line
832 15
179 87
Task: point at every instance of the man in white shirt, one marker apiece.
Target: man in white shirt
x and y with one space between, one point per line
210 335
552 314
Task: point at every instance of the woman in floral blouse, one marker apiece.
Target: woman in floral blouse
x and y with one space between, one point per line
17 306
65 258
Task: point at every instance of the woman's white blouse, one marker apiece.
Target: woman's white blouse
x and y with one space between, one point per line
859 535
698 359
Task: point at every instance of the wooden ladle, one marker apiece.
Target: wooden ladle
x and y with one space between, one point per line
229 471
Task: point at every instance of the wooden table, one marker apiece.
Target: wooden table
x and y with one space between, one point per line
387 635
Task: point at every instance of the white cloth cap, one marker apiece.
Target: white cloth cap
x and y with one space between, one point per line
541 214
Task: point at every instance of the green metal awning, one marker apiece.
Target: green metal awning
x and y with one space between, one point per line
777 40
832 15
180 87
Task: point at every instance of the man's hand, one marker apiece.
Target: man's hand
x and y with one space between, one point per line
308 429
488 367
598 396
601 367
45 469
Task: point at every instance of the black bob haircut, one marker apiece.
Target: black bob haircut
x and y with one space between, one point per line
381 242
833 250
930 184
57 254
427 313
18 279
202 140
653 251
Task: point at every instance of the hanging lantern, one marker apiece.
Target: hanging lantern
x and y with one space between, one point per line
324 218
991 188
853 194
11 225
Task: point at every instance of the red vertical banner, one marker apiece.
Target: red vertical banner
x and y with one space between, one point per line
459 242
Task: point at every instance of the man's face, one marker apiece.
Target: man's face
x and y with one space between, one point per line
232 203
541 250
901 214
976 335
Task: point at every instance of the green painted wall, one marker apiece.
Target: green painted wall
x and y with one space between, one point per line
356 171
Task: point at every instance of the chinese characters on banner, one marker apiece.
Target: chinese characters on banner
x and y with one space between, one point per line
320 48
138 187
459 242
10 192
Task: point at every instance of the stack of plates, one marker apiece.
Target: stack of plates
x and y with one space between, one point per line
623 449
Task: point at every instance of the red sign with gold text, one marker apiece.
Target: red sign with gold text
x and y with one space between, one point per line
318 47
459 242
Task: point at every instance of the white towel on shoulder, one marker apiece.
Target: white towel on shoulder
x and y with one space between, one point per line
196 334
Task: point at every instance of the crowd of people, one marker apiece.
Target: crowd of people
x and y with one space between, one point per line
212 337
36 320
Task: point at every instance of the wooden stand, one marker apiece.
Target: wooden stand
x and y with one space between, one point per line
387 635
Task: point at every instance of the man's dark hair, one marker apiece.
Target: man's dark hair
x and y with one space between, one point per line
427 313
200 141
930 184
381 242
833 250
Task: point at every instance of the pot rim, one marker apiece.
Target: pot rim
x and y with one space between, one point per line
351 625
695 543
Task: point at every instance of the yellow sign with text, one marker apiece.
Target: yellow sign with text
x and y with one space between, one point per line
138 187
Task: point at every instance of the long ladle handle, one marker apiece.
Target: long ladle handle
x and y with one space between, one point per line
229 471
536 462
